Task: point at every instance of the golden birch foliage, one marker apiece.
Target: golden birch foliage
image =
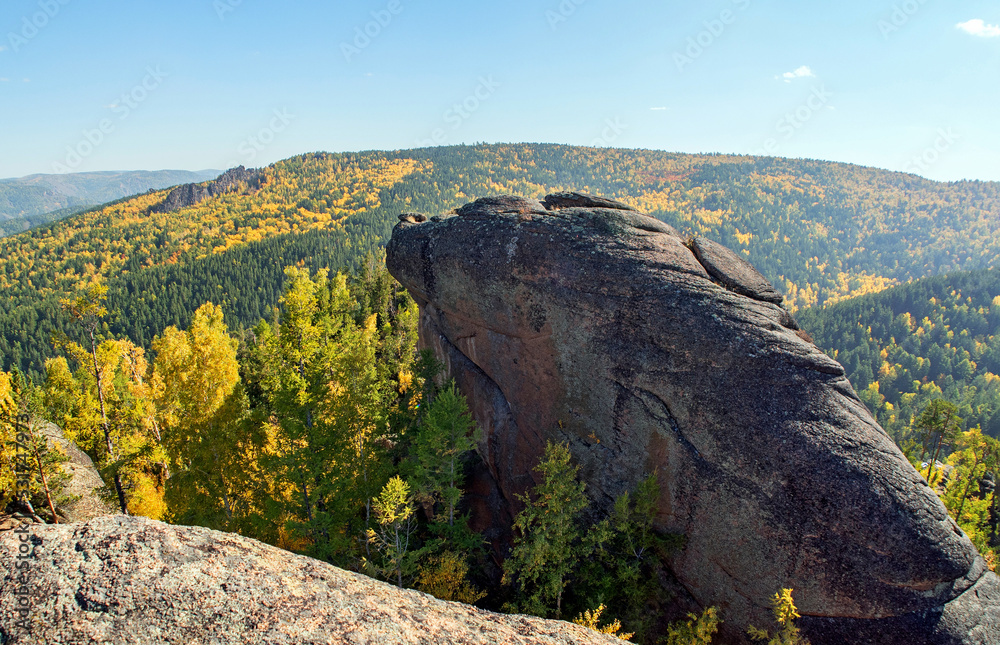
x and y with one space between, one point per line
394 512
8 412
7 405
447 577
194 370
696 630
785 614
592 620
130 229
213 455
72 400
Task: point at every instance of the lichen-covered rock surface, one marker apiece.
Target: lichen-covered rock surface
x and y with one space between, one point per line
80 498
120 580
83 501
579 320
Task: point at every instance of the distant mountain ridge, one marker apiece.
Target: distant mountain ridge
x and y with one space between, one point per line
33 200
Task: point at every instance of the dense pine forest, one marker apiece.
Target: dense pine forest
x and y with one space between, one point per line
904 347
823 232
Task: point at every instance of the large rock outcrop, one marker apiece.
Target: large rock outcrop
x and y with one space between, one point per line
121 580
580 320
232 180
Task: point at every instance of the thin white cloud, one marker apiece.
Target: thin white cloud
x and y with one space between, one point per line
2 48
802 72
658 109
978 27
4 80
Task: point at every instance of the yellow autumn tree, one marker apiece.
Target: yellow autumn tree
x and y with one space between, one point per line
105 407
785 614
201 408
8 411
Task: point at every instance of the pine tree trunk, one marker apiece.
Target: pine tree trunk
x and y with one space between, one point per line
120 489
937 452
41 474
923 450
306 502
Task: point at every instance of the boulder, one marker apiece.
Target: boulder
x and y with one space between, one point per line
733 272
581 321
84 503
131 581
80 499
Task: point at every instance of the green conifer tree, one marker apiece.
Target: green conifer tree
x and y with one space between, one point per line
548 542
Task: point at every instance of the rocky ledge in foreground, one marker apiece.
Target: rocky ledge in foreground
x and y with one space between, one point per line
579 320
121 580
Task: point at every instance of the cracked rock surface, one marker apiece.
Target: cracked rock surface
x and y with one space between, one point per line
120 580
579 320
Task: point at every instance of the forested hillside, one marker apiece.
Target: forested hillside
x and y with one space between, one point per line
904 347
821 231
39 199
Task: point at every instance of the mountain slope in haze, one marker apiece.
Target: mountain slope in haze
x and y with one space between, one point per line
937 337
38 199
821 231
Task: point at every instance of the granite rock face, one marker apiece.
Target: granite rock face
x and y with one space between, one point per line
122 580
576 319
84 501
80 500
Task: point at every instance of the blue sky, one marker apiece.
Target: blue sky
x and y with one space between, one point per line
192 84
